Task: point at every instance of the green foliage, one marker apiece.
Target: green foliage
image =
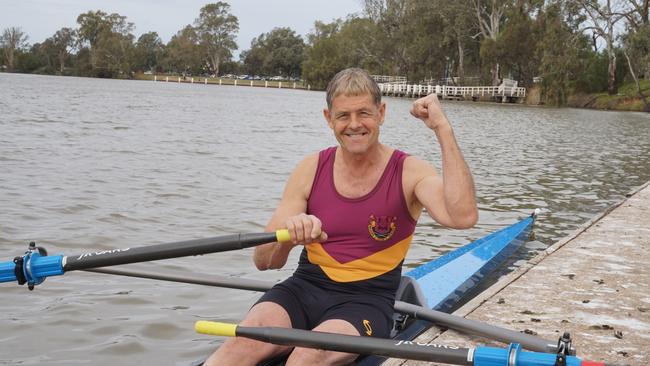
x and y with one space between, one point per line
559 53
12 41
593 78
278 52
148 51
217 29
338 45
183 54
323 57
110 42
29 62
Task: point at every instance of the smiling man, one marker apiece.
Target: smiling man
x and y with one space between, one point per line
353 208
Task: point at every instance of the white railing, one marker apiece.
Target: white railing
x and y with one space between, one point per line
389 79
502 90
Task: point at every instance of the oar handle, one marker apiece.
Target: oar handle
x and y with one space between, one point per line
34 266
216 328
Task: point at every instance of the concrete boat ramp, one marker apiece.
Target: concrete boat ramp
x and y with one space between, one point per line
595 284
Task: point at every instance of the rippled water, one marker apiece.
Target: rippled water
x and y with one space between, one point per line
96 164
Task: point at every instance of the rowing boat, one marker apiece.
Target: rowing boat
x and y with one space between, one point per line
443 282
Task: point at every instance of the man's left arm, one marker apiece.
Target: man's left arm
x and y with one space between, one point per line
450 199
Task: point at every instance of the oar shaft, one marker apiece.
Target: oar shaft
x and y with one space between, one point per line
165 251
208 280
474 327
342 343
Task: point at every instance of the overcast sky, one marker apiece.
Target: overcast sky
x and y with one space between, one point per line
39 19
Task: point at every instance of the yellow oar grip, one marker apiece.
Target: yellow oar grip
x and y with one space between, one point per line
215 328
282 235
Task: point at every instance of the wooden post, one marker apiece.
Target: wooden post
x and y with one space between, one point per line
266 83
167 78
279 85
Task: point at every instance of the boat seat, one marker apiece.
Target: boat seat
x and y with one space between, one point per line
409 291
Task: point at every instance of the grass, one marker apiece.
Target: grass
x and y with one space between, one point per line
627 99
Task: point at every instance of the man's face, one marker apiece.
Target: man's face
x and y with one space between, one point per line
355 121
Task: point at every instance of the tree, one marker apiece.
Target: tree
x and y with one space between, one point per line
278 52
60 44
148 51
517 45
460 27
110 42
217 29
182 53
603 19
322 56
13 40
490 15
390 40
636 48
561 51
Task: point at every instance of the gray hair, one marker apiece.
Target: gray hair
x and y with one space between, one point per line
352 82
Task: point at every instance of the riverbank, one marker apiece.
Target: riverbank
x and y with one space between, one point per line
627 99
281 84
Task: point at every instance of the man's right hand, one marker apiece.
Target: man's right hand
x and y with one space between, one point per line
305 229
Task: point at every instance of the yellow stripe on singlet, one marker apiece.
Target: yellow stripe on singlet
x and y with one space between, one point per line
359 269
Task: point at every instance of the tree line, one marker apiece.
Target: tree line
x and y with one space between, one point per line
567 46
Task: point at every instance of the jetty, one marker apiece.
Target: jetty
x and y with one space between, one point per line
508 91
593 284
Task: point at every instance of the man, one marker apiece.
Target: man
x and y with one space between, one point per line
353 208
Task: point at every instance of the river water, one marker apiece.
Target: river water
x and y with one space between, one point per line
89 164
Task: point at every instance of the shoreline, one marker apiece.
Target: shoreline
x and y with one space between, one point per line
595 101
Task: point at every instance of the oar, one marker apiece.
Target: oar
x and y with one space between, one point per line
33 267
504 335
464 325
479 356
207 280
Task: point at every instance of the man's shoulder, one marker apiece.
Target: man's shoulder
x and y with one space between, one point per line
306 168
309 161
415 167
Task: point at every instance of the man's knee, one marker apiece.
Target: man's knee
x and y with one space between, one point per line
310 356
244 351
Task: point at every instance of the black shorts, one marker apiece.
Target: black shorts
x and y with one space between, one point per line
309 305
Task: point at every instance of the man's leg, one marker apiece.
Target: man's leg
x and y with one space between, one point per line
310 356
243 351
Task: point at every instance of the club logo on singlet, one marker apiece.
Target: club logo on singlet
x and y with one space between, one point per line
381 228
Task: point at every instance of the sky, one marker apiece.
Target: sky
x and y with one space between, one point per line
40 19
